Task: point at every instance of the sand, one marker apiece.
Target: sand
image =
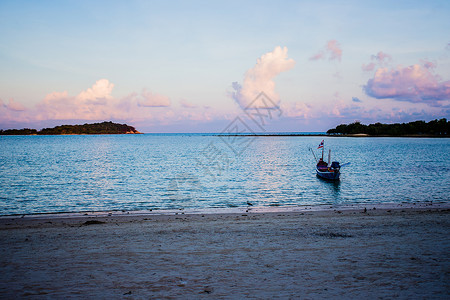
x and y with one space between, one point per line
384 253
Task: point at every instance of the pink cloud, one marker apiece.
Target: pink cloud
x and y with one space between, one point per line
55 96
416 83
96 103
429 64
319 55
368 67
332 50
260 78
186 104
296 110
14 106
150 110
149 99
345 111
91 104
349 112
380 59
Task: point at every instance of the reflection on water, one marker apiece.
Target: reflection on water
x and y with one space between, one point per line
134 172
333 187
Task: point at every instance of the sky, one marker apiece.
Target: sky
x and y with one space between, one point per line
195 66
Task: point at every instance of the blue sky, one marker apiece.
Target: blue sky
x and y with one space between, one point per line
169 66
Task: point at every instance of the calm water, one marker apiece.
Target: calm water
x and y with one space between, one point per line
138 172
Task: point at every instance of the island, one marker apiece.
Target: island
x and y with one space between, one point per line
95 128
435 128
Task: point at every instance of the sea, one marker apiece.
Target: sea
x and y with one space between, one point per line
85 173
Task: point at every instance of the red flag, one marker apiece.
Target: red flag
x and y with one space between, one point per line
320 145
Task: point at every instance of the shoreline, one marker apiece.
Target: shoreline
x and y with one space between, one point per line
324 209
357 135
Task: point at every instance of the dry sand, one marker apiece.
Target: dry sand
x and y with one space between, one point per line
382 253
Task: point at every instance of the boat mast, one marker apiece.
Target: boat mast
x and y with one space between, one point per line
313 154
329 157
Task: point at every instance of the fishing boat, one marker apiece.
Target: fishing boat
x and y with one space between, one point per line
327 170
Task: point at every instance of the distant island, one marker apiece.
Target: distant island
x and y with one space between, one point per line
95 128
440 128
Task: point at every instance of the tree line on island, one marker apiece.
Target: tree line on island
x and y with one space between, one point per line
418 128
95 128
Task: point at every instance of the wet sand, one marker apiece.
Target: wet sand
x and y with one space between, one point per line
382 253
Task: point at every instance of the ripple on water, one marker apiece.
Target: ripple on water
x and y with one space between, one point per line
134 172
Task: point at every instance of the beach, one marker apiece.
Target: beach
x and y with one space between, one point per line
375 252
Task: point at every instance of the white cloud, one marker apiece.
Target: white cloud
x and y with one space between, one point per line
260 78
55 96
100 91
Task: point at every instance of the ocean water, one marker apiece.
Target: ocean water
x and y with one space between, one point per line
41 174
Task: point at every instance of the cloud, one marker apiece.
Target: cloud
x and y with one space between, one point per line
322 116
342 109
380 59
186 104
14 106
55 96
260 78
429 64
149 99
146 110
416 83
347 113
332 50
96 103
98 93
90 104
150 111
368 67
320 55
296 110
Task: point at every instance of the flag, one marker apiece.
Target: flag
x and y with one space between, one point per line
320 145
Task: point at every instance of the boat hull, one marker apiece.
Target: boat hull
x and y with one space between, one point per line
328 175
